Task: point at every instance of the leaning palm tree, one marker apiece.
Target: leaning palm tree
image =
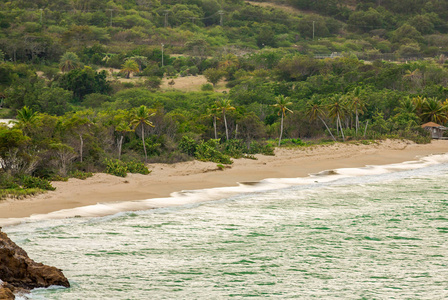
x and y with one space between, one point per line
282 105
336 110
314 110
357 104
223 105
129 66
141 119
69 61
26 119
433 110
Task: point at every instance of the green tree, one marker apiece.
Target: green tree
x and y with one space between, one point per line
213 75
141 119
282 105
129 66
27 120
314 110
69 61
122 129
223 105
336 110
434 111
357 104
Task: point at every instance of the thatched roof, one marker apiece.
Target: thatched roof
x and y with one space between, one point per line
432 124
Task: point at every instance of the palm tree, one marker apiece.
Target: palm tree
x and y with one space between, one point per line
141 61
212 113
141 118
26 119
282 103
223 105
129 66
336 110
69 61
407 105
122 129
358 105
434 111
315 111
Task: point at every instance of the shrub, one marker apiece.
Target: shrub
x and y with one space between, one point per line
188 145
208 151
137 167
116 167
207 87
31 182
81 175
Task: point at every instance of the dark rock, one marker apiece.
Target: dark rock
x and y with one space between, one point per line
20 271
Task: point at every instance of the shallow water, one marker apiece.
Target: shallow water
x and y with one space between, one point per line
382 235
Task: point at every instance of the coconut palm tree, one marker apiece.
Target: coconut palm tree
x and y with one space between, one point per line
223 105
122 129
141 119
26 119
212 113
336 110
282 105
433 110
358 105
69 61
129 66
142 61
314 110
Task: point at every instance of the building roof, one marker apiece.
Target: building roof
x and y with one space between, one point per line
432 124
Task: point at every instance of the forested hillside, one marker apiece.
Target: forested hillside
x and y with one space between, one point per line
83 80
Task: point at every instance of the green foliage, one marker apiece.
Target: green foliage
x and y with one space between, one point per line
80 174
137 167
293 142
207 87
188 145
209 151
30 182
116 168
119 168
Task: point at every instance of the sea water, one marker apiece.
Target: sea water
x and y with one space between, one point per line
378 232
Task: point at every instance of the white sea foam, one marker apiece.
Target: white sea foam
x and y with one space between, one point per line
188 197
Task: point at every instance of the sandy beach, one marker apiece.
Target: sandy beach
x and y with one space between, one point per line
166 179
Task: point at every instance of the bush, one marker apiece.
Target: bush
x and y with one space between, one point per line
120 168
188 145
207 87
137 167
30 182
208 151
81 175
116 167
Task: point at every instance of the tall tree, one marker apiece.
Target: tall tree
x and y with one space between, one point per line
314 110
336 110
282 105
223 105
434 111
141 119
358 105
122 129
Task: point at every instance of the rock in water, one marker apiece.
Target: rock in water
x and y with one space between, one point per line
21 272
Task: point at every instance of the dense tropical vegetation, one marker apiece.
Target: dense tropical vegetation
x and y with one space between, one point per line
83 80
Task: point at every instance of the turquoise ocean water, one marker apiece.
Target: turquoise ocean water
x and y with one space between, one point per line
379 232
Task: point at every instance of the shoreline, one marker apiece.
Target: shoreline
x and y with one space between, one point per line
166 179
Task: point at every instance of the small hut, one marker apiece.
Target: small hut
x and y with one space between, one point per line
435 129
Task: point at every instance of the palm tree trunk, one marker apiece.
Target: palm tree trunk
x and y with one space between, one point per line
357 121
81 146
143 140
120 143
214 126
342 131
225 124
281 132
328 129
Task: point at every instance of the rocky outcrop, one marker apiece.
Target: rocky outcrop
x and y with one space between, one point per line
6 291
18 271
